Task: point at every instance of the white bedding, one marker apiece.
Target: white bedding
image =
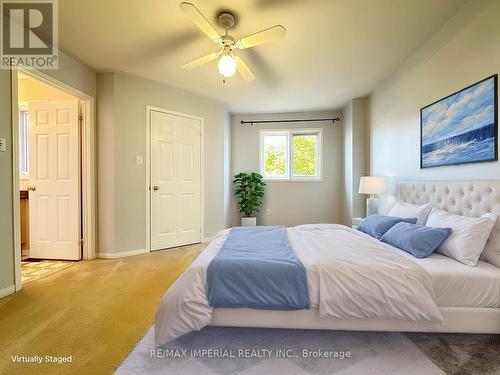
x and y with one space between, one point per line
458 285
350 276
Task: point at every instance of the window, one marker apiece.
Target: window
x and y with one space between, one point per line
293 154
275 154
23 144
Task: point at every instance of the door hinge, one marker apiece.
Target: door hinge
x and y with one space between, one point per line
82 242
80 118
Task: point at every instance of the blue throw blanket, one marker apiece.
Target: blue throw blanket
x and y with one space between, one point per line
256 268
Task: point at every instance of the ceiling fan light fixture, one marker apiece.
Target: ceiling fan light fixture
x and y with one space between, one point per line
227 66
228 63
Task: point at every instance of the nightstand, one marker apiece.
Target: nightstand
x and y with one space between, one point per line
355 222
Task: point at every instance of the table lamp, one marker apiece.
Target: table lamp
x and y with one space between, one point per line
371 185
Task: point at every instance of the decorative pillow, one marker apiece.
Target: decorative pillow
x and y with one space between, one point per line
376 225
418 240
491 252
468 237
406 210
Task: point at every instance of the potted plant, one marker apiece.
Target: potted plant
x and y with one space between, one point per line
249 191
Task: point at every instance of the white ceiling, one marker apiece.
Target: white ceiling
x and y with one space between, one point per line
333 50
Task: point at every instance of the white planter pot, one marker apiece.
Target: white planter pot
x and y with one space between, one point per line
248 221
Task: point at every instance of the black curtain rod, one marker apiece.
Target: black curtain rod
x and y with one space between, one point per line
300 120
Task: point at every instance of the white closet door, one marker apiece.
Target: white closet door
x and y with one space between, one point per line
175 180
54 197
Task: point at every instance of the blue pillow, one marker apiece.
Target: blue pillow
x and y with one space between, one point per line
418 240
376 225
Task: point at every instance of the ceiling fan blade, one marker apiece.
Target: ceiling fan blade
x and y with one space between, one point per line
200 61
199 20
262 37
243 69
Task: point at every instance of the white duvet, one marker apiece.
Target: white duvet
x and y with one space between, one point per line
350 275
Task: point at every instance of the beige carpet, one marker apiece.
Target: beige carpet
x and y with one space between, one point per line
95 311
34 270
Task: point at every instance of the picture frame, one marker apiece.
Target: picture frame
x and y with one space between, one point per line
461 128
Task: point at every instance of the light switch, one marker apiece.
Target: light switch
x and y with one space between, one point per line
3 144
138 159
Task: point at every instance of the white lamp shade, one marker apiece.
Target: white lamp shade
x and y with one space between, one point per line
372 185
227 66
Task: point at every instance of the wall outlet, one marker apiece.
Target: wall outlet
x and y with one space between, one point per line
138 159
268 211
3 144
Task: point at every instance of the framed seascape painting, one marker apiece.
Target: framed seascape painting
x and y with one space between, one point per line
461 128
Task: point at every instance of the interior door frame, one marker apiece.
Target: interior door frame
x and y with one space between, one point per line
149 109
88 167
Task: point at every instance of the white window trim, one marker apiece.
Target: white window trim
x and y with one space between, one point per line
289 165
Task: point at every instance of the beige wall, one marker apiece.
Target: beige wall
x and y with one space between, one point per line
228 178
464 51
292 203
347 134
6 223
356 157
121 110
361 154
30 89
106 127
75 74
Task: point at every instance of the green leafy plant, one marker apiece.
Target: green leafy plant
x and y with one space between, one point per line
249 191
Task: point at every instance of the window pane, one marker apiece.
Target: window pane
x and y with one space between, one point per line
304 155
275 155
23 142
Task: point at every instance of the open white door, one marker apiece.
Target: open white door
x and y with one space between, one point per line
175 180
54 180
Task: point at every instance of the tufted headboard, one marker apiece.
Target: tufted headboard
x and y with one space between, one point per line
467 198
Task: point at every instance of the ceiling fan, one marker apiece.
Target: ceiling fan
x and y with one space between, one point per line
229 63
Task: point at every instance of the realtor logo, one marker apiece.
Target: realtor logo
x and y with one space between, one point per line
29 34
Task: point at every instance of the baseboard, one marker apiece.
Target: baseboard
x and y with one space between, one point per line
6 291
122 254
129 253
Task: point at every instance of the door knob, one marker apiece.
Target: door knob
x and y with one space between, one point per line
31 188
156 188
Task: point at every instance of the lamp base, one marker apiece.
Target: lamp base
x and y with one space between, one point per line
371 206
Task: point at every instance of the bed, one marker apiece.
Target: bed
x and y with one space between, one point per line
468 298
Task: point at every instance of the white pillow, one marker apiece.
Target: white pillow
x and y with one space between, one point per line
491 252
468 237
407 210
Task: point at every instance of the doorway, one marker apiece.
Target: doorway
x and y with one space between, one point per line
53 175
49 170
174 179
